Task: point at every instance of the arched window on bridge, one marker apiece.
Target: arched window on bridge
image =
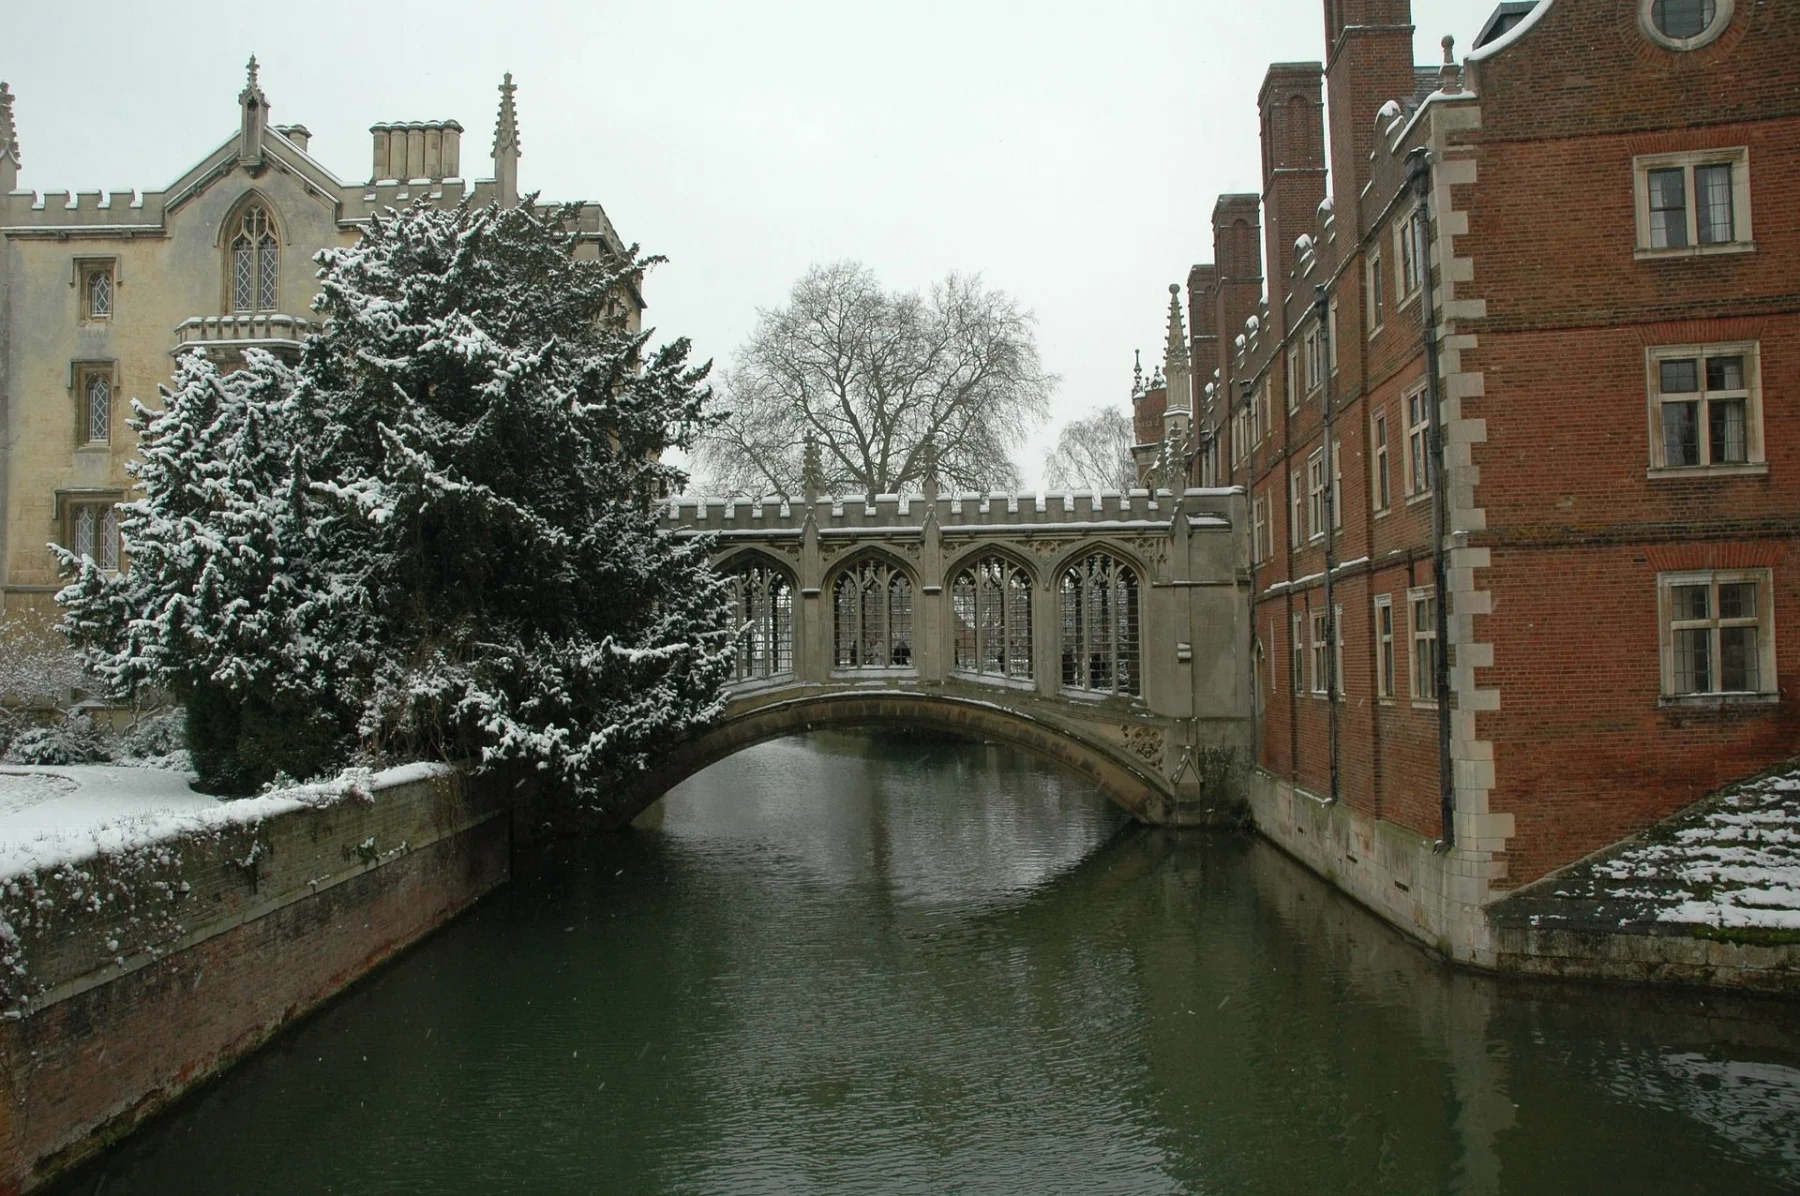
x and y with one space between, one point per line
873 605
1098 597
763 608
990 602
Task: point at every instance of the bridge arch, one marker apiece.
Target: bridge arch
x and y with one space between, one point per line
1138 790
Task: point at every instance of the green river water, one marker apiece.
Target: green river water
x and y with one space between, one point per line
838 965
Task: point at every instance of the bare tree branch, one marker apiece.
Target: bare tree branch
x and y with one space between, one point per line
874 377
1093 453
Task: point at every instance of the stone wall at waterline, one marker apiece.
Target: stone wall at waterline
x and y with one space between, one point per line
136 975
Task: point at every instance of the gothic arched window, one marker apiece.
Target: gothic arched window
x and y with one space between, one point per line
990 602
872 604
254 261
763 609
1098 598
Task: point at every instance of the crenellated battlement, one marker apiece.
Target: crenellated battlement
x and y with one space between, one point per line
859 514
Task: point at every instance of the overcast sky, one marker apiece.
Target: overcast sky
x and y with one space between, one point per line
1068 153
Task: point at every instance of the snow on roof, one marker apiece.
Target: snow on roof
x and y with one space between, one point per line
1512 35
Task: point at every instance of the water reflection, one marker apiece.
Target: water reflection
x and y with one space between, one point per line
837 965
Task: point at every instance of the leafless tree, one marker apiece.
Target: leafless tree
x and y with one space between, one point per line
878 381
1093 453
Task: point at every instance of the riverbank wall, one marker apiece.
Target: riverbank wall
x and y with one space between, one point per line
135 973
1651 910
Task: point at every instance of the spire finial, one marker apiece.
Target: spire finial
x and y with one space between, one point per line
506 145
1449 74
1175 349
9 135
255 106
1137 372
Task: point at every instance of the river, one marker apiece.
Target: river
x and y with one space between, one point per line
841 965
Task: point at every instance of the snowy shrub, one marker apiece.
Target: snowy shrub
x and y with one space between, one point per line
154 736
74 740
434 536
37 666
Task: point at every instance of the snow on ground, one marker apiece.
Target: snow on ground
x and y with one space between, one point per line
58 814
1733 862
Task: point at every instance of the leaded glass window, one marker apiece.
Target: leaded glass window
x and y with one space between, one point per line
1098 598
255 262
990 604
97 408
97 284
872 607
1683 18
763 609
94 533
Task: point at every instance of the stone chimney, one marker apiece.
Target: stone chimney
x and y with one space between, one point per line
1368 61
300 135
419 149
1293 149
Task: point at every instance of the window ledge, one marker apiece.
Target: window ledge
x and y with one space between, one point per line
1096 695
1650 255
1717 701
1747 469
96 447
1417 498
874 672
1424 704
1382 512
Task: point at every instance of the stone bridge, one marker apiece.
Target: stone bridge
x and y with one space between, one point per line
1106 631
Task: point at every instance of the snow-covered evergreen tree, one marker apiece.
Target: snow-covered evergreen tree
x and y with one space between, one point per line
449 502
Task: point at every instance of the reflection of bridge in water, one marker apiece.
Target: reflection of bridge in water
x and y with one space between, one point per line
1106 631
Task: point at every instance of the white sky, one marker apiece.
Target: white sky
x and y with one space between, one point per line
1068 155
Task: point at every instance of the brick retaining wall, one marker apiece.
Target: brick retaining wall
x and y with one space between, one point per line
146 973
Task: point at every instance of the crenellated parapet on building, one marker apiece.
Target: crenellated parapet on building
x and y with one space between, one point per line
99 290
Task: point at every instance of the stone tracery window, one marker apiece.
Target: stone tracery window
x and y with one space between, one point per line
990 603
254 261
1098 599
763 610
872 605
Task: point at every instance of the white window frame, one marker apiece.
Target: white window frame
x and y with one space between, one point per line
1315 494
1337 485
1259 510
1722 11
1296 526
1751 395
1297 662
1331 337
1315 642
1265 413
1314 358
1376 316
1422 680
1385 662
1418 441
1381 477
1408 271
1763 620
1293 379
1737 158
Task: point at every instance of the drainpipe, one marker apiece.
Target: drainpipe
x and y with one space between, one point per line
1250 514
1418 174
1322 313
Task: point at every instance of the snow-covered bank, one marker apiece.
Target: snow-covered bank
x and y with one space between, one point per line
52 815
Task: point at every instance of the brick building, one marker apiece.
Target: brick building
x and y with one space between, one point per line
1594 208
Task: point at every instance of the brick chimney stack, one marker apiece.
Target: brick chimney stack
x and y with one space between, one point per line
1293 145
1237 255
1368 61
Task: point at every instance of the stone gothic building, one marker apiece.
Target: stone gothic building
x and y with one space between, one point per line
1507 355
100 291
